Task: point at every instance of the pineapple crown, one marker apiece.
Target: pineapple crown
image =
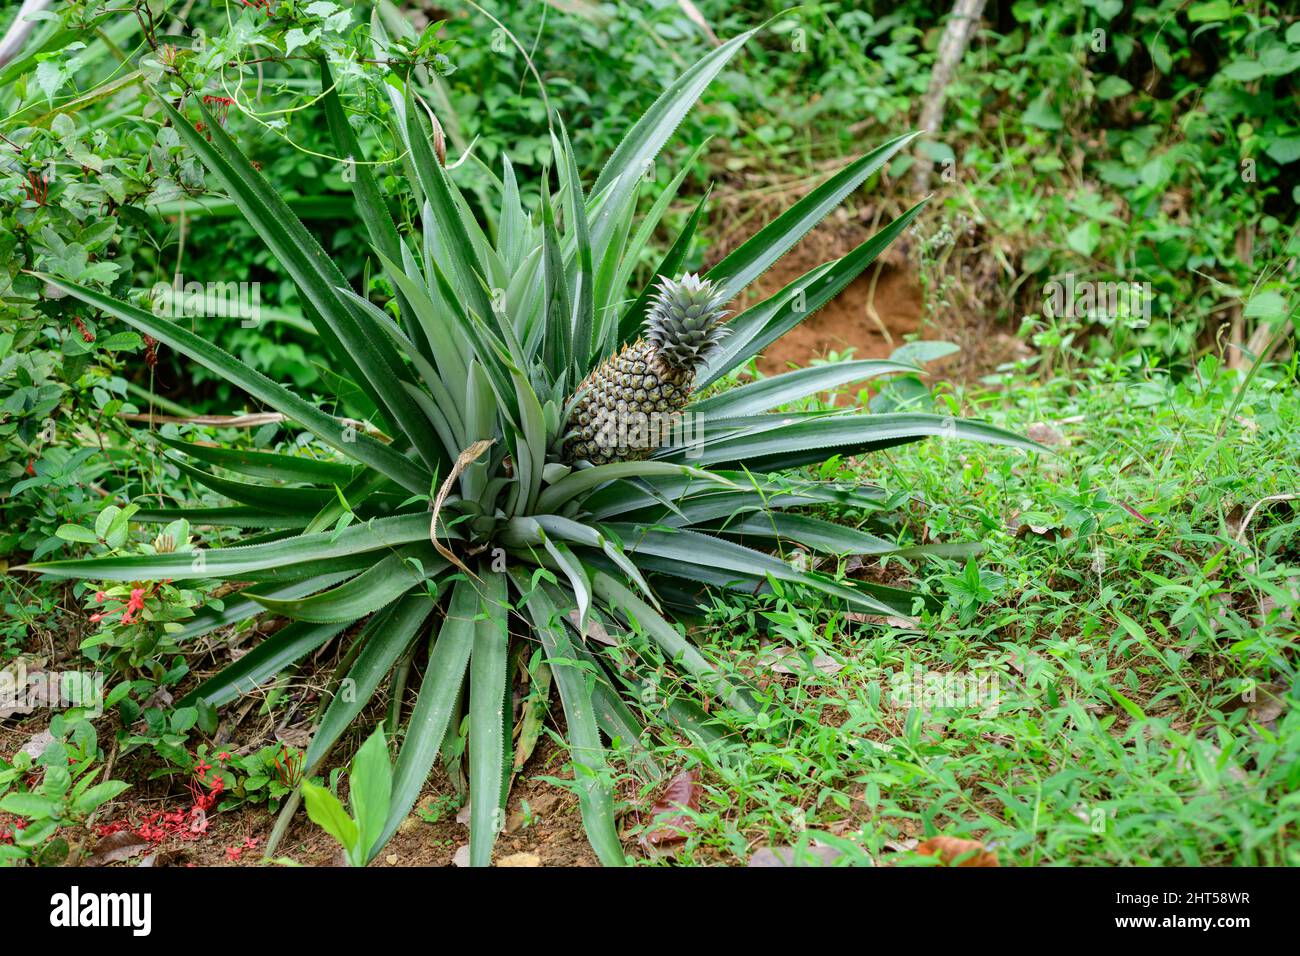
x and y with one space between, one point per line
684 321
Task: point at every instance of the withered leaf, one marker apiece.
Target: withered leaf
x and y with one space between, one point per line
795 856
672 825
950 849
115 847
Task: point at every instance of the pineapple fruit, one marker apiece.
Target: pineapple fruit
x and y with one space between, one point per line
630 404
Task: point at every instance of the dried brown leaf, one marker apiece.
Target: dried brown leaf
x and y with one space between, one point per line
672 825
952 849
116 847
795 856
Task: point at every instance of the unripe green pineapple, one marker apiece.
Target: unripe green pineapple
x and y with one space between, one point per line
633 400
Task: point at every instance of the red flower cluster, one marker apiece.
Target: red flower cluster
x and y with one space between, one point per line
86 334
38 187
222 106
134 605
288 766
183 825
233 853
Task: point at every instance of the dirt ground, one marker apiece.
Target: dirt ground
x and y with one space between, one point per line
543 823
944 295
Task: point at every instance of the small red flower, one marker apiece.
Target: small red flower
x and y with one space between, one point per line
221 107
100 597
38 187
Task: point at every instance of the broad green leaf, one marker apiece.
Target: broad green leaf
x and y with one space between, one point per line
386 636
328 813
370 790
333 432
272 655
489 691
590 770
443 678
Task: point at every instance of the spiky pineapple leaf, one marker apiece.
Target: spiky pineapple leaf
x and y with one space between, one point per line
385 637
272 655
587 753
443 677
489 693
340 435
758 253
757 328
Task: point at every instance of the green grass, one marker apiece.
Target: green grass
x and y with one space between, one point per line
1101 668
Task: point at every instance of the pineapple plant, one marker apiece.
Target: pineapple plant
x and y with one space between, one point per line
470 537
632 401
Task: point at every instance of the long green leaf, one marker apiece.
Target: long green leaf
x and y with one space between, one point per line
333 432
768 393
488 694
757 328
770 243
268 658
803 441
376 587
572 485
674 645
443 678
386 636
647 136
587 754
237 607
363 350
239 562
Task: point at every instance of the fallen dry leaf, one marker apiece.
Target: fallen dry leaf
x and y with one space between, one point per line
595 631
299 735
37 744
786 660
949 849
520 859
1050 532
1044 434
793 856
116 847
1263 702
461 857
673 825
